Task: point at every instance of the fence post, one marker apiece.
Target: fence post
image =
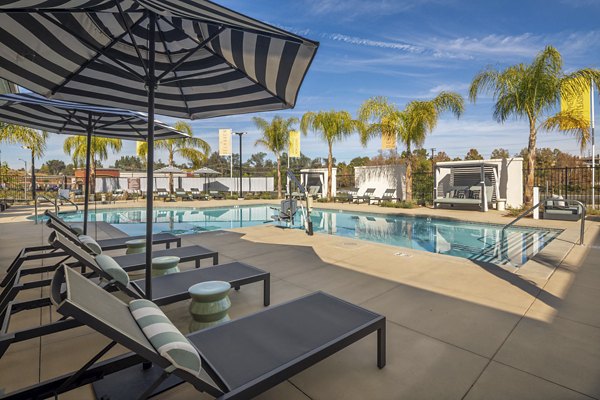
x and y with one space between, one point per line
566 182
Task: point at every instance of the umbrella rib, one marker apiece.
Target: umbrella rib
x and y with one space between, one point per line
134 128
191 53
168 53
137 50
100 52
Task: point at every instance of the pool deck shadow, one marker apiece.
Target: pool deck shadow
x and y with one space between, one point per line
456 329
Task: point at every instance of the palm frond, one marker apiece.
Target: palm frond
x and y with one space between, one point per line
571 124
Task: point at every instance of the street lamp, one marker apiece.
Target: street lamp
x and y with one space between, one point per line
240 134
33 183
25 182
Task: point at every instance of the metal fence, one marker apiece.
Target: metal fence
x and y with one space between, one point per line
14 187
573 183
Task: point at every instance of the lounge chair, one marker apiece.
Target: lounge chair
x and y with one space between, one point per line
182 194
197 194
162 194
118 194
557 208
367 196
167 289
216 195
346 196
388 195
47 251
243 358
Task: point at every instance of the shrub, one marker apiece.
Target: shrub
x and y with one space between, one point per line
515 211
400 204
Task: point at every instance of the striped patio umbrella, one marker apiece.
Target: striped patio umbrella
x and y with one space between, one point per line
180 58
65 117
205 171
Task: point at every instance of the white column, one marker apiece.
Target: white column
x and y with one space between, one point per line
536 199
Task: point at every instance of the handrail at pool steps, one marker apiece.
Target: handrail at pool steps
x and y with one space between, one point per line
53 202
530 210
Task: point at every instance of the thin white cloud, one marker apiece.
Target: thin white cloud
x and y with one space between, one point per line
375 43
350 9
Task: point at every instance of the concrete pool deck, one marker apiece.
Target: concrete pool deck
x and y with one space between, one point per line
456 329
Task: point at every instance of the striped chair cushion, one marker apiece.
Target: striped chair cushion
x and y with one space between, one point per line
166 339
89 242
112 268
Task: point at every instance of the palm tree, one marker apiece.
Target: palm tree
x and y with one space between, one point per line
333 126
76 146
410 126
190 148
27 137
532 92
275 137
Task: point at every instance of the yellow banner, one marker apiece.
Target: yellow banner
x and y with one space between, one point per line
578 105
224 142
388 142
294 144
137 147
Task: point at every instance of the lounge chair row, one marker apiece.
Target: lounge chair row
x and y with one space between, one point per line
368 196
193 194
243 358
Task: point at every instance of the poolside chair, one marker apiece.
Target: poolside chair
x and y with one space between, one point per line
197 194
119 194
182 194
48 251
313 191
558 208
162 194
346 196
243 358
214 194
167 289
388 195
367 196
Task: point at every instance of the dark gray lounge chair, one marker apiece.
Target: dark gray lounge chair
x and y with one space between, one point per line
182 194
367 196
197 194
388 195
243 358
47 252
167 289
215 194
557 208
346 196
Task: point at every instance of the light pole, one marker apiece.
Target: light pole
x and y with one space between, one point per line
33 184
25 182
240 134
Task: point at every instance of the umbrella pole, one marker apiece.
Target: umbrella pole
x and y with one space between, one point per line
88 152
150 162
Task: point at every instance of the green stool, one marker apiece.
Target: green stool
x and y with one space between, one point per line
165 265
136 246
209 305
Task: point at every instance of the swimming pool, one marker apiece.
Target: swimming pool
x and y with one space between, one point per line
474 241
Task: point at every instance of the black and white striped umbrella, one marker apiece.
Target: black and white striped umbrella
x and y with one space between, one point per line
182 58
65 117
210 61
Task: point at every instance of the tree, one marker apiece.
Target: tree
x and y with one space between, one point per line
499 154
191 148
30 138
275 138
410 126
129 163
532 92
76 146
54 167
473 154
333 126
441 156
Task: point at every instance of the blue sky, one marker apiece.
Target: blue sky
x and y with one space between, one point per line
410 49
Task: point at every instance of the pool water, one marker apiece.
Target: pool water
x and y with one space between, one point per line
474 241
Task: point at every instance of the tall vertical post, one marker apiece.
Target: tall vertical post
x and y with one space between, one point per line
241 194
593 146
88 152
33 188
151 87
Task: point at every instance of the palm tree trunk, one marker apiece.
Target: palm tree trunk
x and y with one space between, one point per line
329 171
531 149
408 174
278 177
171 175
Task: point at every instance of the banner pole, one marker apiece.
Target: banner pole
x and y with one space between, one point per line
593 145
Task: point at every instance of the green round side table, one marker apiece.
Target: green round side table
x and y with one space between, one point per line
209 305
165 265
136 246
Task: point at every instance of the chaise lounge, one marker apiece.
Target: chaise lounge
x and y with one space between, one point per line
243 358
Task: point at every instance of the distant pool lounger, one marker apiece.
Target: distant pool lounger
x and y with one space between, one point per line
167 289
243 358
